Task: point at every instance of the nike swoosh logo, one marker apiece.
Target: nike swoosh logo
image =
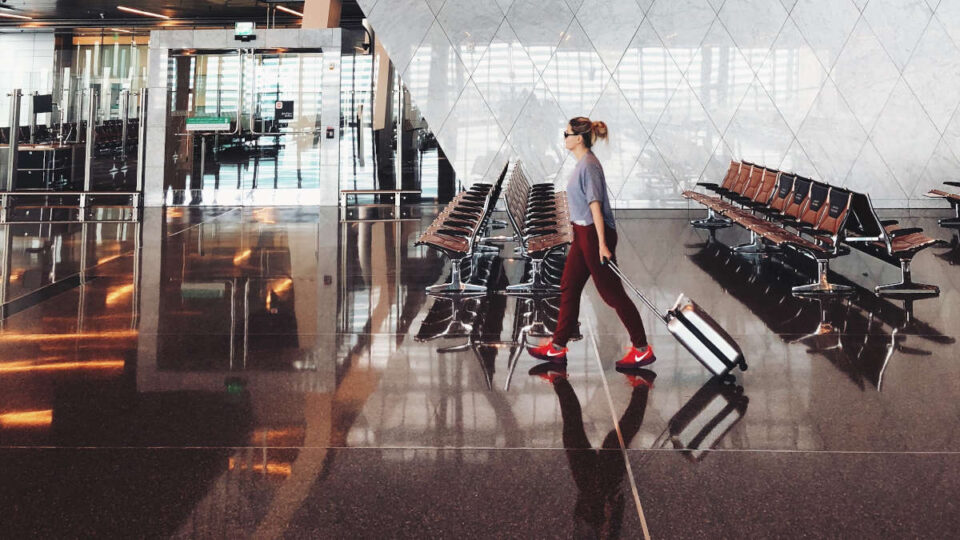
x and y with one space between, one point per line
551 355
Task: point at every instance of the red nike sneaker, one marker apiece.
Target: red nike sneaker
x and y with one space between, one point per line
637 358
549 352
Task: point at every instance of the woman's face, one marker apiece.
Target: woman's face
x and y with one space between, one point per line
571 141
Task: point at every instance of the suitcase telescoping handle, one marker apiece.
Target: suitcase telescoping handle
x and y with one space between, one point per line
616 270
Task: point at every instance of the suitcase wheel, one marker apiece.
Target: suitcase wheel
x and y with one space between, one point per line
728 379
743 365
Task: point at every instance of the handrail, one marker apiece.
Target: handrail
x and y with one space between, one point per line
83 202
68 193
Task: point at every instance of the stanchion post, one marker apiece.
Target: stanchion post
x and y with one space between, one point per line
142 140
14 139
32 119
125 103
91 140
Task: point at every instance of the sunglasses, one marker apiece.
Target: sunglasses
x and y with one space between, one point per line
565 134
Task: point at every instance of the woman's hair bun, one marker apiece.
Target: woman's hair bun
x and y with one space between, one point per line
590 130
599 129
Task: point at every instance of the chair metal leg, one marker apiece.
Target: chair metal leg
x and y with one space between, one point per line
515 358
906 287
755 246
454 348
456 284
822 286
951 222
712 221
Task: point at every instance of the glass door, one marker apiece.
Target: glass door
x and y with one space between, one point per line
244 126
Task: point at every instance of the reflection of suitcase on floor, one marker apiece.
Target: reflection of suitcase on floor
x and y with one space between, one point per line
697 331
704 420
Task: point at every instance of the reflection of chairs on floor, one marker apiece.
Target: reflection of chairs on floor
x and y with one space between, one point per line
825 336
479 319
952 255
449 318
535 317
904 326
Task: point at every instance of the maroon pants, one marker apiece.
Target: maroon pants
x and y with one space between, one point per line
583 262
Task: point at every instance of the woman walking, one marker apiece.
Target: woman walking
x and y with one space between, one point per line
594 239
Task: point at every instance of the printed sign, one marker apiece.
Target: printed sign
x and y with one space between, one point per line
284 110
208 123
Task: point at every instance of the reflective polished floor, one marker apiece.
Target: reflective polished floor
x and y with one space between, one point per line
274 372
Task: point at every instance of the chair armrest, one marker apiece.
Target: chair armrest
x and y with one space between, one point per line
539 223
954 184
861 239
904 232
708 184
539 232
889 222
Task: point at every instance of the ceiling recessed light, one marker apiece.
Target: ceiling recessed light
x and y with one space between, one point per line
290 11
141 12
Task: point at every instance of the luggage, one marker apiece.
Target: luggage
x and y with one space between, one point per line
696 330
702 422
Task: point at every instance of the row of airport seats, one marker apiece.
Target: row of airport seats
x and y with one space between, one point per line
540 221
456 233
23 135
953 199
787 212
541 225
109 135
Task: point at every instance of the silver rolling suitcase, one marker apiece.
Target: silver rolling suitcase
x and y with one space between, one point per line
696 330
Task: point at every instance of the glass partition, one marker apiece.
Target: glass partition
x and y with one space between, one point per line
239 122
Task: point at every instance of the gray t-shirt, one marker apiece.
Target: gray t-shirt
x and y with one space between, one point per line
587 184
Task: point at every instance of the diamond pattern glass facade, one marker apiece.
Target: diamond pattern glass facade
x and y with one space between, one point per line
860 93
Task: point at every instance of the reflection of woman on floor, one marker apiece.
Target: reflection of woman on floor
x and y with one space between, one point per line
599 473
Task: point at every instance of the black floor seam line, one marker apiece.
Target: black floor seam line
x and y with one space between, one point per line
616 426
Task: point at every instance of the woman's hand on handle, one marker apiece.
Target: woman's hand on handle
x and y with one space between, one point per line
605 254
597 211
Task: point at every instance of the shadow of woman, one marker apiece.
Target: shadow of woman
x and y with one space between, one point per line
599 473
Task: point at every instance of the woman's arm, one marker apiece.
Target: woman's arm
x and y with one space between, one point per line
597 210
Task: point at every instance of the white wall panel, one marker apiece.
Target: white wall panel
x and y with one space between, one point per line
859 93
